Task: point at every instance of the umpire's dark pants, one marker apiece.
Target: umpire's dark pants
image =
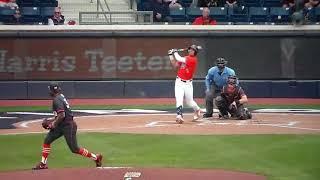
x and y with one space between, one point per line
210 97
66 129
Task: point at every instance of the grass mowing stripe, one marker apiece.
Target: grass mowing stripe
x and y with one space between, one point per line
277 156
155 107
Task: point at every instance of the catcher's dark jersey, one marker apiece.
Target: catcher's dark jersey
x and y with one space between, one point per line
232 93
60 104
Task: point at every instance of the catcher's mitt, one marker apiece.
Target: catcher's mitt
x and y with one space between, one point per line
47 123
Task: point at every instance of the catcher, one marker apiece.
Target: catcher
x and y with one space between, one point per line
62 124
232 100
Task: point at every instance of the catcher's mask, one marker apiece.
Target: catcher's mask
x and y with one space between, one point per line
195 48
231 83
54 89
221 63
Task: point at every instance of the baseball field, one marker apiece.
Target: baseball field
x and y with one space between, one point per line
144 138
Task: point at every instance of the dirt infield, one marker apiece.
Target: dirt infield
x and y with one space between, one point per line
130 173
164 123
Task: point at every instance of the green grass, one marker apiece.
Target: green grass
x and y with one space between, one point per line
279 157
156 107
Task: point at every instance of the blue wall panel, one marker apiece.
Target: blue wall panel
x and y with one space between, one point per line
199 89
294 89
39 89
149 88
99 89
318 89
257 89
13 90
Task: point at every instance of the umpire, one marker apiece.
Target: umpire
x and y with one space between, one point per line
215 79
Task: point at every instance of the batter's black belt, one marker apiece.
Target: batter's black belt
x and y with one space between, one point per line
184 80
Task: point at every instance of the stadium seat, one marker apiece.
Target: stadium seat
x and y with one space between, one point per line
45 13
6 15
28 3
279 15
193 12
48 3
31 15
238 14
258 14
220 14
186 3
314 14
178 15
251 3
271 3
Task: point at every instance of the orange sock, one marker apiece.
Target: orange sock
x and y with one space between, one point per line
45 153
84 152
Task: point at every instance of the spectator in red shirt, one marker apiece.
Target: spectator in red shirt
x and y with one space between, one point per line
204 19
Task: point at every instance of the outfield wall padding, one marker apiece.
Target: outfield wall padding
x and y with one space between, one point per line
153 89
295 89
14 90
99 89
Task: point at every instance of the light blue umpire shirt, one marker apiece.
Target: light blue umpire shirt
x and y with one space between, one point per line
214 78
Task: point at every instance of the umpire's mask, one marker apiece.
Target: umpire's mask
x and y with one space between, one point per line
221 63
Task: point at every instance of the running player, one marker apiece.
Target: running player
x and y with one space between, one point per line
63 125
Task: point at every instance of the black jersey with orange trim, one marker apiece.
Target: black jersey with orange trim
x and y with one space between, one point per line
60 104
232 93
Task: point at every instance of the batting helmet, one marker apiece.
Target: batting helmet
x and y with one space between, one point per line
195 48
54 88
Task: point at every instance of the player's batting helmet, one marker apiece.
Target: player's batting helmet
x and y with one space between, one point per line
54 88
195 48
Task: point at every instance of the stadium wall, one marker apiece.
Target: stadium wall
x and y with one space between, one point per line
131 61
154 89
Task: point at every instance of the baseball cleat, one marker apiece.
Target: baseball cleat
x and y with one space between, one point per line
207 115
197 115
179 119
99 160
40 166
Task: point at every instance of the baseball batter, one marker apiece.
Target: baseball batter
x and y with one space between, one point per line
232 100
186 67
62 124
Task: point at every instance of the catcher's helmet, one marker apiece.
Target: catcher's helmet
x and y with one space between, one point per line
232 79
54 88
195 48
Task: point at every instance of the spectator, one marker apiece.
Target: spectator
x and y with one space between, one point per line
231 4
9 4
57 18
12 4
204 19
209 3
3 3
288 4
173 4
161 11
17 17
312 3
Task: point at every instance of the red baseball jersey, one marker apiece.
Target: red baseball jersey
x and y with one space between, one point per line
186 70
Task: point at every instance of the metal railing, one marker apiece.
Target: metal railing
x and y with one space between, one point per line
137 17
